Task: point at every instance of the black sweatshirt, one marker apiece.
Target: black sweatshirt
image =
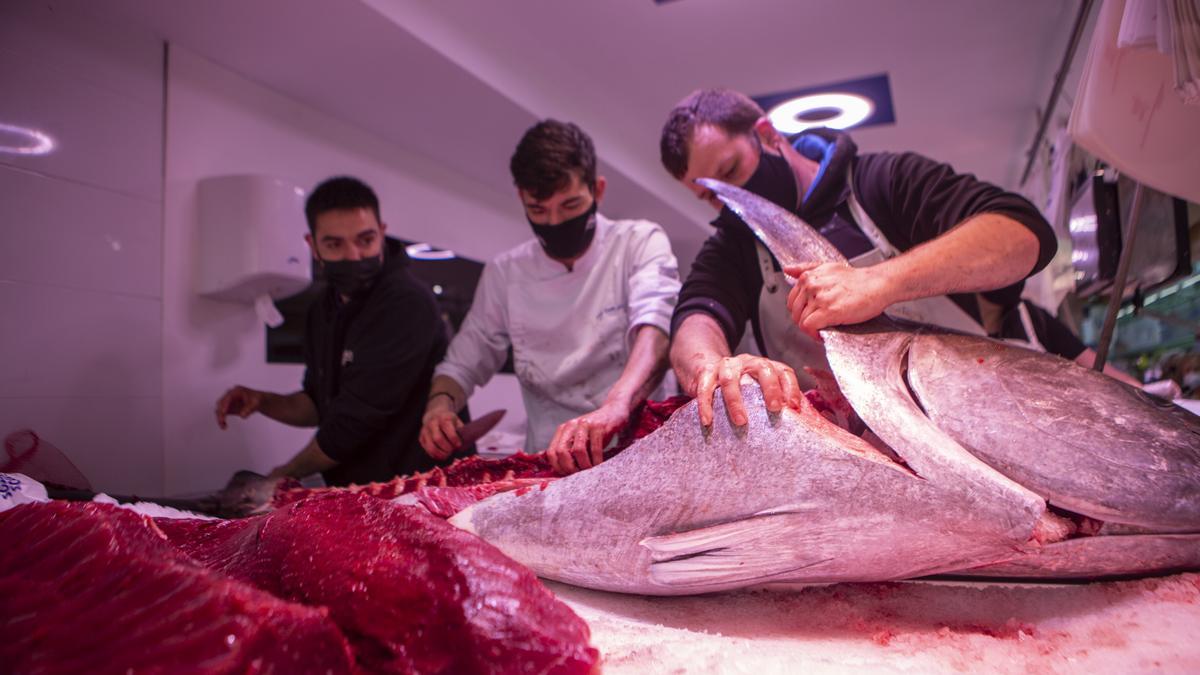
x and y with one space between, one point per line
911 199
369 365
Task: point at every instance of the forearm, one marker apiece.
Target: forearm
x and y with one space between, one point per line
296 409
643 371
698 340
308 461
445 394
983 253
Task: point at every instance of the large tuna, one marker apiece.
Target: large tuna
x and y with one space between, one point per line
990 436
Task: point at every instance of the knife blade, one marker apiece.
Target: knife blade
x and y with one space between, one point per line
476 429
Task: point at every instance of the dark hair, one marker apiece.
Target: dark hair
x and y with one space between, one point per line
549 152
337 193
731 111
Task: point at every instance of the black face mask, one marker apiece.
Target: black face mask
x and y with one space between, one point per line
569 238
353 278
773 180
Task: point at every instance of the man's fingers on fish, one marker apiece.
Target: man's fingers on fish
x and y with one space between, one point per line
731 392
706 387
579 447
597 445
555 448
805 301
791 389
768 380
552 457
799 268
794 296
802 320
560 455
814 322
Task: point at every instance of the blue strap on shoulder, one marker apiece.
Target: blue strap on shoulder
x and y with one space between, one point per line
817 149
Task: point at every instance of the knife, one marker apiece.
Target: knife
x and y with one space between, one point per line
476 429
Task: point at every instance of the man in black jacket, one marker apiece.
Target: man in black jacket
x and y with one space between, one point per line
371 344
960 245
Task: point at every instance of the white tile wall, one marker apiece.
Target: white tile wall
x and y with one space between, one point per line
68 234
66 342
104 139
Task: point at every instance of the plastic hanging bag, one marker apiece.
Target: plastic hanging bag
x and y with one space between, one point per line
17 489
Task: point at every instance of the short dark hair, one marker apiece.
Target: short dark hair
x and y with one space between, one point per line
337 193
731 111
549 152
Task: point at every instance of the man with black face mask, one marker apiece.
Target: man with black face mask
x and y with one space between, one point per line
585 306
923 242
370 348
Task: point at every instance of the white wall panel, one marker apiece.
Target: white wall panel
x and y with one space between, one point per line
102 138
68 234
67 342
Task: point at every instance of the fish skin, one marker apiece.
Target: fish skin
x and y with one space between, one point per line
688 510
1088 443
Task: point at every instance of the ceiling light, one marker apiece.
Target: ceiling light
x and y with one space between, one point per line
15 140
789 117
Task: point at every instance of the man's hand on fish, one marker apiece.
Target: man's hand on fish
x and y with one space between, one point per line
835 294
579 443
240 401
439 432
777 380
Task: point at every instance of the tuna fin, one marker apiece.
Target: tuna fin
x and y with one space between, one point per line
760 548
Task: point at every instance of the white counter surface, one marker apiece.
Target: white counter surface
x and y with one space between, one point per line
1149 625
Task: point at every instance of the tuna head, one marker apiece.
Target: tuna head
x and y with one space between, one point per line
788 498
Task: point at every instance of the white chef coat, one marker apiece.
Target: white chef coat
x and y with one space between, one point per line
571 331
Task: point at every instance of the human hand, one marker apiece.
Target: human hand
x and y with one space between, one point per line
777 380
240 401
439 433
579 443
835 294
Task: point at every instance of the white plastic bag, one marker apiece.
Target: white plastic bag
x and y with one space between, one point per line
17 488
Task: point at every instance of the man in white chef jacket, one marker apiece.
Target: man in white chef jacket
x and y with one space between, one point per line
586 306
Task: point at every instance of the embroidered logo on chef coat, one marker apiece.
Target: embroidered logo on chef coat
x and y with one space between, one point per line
611 309
347 357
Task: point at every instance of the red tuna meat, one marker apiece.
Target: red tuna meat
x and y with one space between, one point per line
411 592
93 588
